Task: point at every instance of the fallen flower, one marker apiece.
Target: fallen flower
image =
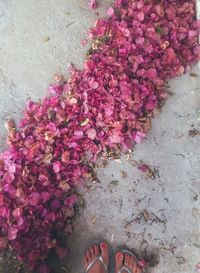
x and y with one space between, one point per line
198 267
84 42
139 136
110 11
149 171
92 4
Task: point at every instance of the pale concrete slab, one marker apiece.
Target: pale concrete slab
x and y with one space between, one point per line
160 216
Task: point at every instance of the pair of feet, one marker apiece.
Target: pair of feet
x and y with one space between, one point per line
121 260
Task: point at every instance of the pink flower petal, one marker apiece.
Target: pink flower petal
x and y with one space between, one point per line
65 157
71 201
91 133
139 137
61 252
198 267
84 42
110 11
114 139
3 242
12 233
92 4
34 198
56 166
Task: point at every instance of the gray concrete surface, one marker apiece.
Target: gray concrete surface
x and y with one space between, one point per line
160 216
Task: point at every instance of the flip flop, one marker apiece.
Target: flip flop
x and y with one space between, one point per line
124 267
96 259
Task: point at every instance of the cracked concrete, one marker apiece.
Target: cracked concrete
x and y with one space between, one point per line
159 217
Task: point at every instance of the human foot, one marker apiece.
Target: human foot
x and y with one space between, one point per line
96 259
126 263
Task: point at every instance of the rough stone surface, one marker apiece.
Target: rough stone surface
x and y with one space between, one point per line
159 217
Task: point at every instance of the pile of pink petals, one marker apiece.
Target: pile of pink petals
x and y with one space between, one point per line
106 107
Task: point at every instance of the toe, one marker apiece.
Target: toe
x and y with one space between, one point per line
130 262
85 259
88 255
138 270
92 254
96 250
126 259
133 264
104 252
118 261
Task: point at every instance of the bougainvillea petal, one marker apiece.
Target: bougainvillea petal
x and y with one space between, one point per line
110 11
92 4
61 252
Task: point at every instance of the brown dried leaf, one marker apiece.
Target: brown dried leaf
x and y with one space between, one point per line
46 39
124 174
194 132
194 75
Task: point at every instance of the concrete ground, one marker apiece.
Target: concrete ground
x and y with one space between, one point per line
159 218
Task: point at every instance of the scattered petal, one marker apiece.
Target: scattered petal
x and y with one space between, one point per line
92 4
110 11
198 267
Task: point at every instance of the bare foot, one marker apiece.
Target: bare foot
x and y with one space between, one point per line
127 260
95 251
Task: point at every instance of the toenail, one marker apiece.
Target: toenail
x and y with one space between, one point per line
104 245
119 255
